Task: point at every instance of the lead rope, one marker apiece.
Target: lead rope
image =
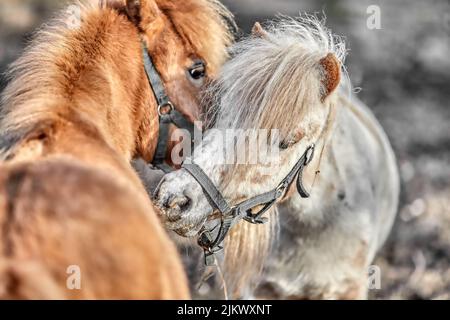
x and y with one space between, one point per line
317 172
326 132
222 278
210 272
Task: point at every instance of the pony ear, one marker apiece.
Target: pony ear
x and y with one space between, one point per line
258 31
332 74
145 14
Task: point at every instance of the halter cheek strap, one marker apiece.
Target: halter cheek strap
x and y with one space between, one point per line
232 215
166 112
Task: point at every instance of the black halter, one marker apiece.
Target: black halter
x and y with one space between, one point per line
231 215
166 111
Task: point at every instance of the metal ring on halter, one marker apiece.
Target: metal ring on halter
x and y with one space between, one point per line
162 106
207 242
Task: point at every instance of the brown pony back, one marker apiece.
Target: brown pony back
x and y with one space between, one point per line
121 250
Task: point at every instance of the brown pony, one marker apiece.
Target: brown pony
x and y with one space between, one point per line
77 110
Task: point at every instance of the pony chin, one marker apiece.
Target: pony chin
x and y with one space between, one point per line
189 231
188 227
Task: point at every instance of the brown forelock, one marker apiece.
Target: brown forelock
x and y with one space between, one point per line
201 25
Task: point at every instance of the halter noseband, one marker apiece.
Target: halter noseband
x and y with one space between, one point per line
231 215
166 112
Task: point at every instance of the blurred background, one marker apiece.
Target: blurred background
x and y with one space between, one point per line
402 71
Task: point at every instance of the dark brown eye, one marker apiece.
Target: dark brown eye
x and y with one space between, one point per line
198 71
285 144
291 140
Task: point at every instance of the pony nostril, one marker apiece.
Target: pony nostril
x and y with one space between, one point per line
184 204
179 203
176 206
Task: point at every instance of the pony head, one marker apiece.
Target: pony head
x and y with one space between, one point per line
280 85
188 41
184 33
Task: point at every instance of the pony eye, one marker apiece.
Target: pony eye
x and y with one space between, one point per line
291 140
285 144
198 71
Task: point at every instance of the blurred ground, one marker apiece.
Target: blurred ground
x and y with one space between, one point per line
403 72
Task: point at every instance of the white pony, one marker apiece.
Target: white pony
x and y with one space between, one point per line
287 78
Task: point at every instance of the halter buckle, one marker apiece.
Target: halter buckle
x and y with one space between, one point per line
310 154
256 220
165 108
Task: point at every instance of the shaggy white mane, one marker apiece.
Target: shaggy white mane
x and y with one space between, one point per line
273 80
